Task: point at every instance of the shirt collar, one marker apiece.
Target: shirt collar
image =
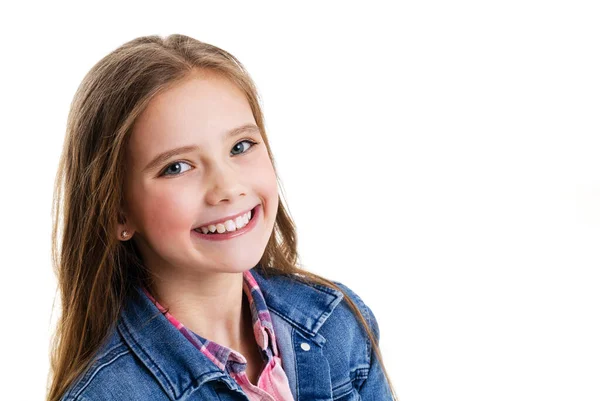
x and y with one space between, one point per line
261 324
260 313
173 359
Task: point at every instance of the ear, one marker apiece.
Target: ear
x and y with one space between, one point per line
124 230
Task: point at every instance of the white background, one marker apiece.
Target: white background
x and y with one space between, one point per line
440 158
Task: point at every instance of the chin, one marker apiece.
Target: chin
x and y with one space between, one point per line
238 266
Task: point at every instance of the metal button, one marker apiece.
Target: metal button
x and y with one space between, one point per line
305 346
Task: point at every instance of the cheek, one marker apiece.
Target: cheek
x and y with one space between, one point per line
267 182
166 211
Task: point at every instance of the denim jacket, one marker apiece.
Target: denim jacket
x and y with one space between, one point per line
324 352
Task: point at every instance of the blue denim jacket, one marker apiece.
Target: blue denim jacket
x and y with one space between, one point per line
324 352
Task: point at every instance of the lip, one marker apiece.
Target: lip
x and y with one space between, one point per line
257 213
221 221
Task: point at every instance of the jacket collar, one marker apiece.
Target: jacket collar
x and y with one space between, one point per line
304 306
175 362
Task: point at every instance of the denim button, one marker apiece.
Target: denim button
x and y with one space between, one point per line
305 346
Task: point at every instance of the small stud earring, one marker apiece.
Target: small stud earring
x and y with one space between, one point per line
124 234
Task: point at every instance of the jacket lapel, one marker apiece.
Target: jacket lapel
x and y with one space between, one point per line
168 355
305 307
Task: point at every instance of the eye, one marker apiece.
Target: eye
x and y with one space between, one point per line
175 168
237 145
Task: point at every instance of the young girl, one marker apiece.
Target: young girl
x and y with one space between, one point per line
176 259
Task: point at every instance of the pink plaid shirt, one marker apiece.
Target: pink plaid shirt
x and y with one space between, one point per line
272 383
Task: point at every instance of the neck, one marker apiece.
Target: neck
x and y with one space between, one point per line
212 306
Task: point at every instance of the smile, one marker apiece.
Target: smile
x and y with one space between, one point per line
229 228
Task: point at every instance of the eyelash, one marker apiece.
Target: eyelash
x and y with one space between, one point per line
181 161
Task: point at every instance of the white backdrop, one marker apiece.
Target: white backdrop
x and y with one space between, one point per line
440 158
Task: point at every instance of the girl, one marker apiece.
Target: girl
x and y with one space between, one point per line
177 261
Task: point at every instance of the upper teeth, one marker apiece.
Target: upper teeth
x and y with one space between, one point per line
228 225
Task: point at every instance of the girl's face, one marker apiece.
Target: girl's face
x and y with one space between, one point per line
219 175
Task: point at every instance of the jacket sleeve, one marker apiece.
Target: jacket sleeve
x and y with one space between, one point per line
375 387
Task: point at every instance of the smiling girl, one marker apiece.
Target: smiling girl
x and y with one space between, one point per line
176 259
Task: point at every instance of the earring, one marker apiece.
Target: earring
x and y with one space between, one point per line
124 234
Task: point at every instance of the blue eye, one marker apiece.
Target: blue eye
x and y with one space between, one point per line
173 168
176 170
245 140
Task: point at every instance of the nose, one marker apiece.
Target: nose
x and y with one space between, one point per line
223 184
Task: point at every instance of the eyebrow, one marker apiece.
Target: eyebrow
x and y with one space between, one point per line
163 157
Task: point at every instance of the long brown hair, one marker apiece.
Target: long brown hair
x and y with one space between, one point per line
89 262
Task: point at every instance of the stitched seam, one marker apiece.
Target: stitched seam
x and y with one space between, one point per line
154 364
365 312
355 374
326 314
341 385
98 369
369 346
365 372
343 394
291 322
322 288
360 373
327 290
295 364
108 352
201 382
91 370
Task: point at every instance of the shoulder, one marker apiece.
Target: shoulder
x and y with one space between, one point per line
344 320
364 309
347 346
114 374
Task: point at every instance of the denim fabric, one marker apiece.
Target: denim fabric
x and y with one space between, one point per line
324 352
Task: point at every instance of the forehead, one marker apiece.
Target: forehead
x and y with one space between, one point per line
195 111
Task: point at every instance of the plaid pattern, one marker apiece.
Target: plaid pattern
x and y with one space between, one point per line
273 383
